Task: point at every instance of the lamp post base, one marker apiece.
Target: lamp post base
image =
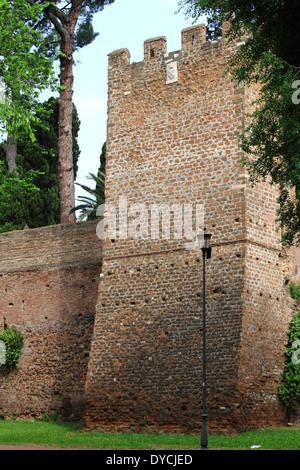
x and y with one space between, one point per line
204 441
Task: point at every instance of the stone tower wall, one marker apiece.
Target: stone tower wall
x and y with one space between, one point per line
172 138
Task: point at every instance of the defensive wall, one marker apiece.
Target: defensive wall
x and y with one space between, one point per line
113 327
48 284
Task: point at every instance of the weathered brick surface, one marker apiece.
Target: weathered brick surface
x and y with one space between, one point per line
48 283
137 363
176 141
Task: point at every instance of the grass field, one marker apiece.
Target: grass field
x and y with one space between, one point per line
70 435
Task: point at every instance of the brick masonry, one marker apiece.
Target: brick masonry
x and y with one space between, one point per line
125 353
48 284
172 138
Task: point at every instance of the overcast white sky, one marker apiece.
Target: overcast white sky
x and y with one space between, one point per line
125 23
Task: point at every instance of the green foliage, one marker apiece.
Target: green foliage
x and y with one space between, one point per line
60 12
25 69
272 24
42 155
16 192
13 340
89 205
295 291
272 142
289 391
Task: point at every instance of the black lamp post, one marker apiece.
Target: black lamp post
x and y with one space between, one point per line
204 242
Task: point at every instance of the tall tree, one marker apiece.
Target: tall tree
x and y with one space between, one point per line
271 57
72 21
16 194
42 155
25 70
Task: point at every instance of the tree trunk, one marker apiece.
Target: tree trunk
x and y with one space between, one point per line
65 155
10 152
65 25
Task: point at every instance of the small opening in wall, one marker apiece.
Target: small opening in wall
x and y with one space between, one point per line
152 53
132 302
186 262
164 299
183 408
10 304
138 270
47 285
237 219
238 255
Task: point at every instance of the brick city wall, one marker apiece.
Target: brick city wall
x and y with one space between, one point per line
48 284
127 354
172 138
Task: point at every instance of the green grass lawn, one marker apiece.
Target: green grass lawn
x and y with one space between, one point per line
70 435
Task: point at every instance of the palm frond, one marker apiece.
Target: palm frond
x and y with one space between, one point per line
88 205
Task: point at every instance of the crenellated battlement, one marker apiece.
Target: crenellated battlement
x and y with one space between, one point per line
159 64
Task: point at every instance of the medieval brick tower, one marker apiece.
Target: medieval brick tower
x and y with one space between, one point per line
172 138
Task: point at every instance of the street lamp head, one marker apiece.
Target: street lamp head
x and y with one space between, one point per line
204 241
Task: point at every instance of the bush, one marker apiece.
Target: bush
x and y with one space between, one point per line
13 340
289 391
